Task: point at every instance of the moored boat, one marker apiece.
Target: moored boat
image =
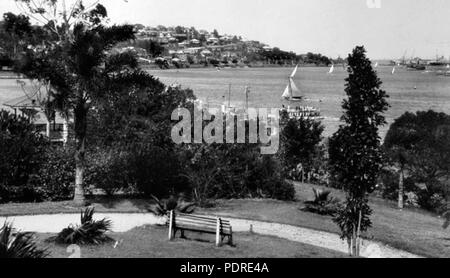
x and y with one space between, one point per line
293 95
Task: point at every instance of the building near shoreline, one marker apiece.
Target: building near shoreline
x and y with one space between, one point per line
55 127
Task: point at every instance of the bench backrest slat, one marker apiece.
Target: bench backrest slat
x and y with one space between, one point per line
199 217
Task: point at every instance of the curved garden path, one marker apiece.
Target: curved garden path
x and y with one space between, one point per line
124 222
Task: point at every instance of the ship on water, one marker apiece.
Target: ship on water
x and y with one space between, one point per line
294 97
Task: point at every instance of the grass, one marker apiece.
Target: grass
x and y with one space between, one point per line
151 242
412 230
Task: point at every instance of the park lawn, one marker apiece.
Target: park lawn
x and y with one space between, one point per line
412 230
152 242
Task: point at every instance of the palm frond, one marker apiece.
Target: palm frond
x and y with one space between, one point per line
19 245
161 208
90 232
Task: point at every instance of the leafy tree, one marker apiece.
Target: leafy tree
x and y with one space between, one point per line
216 33
420 144
18 27
300 140
355 155
179 30
80 68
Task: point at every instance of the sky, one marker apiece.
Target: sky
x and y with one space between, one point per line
331 27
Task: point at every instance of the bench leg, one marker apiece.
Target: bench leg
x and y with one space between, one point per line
171 226
182 234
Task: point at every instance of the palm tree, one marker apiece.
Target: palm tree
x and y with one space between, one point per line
82 70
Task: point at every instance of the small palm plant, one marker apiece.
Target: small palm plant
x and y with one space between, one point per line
322 204
161 208
90 232
19 245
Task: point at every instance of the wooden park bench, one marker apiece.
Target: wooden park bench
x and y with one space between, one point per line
201 224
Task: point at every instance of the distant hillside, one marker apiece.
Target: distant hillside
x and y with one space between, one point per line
185 47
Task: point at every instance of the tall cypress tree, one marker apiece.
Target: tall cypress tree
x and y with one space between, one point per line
355 153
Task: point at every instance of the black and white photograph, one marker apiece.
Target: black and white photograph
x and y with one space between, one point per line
235 131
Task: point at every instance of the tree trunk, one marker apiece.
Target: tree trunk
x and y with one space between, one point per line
358 235
401 190
80 161
48 129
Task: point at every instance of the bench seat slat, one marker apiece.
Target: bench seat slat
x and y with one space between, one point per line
197 229
201 229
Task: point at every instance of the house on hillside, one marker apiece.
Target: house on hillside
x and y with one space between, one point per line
213 41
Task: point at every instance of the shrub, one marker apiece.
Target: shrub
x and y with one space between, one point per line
108 170
161 208
18 245
300 143
446 216
433 197
90 232
155 171
279 189
21 149
412 199
234 171
323 203
389 185
55 177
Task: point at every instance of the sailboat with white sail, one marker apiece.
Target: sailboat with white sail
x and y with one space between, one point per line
331 69
293 94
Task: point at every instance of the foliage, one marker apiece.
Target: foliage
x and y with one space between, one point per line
388 185
90 232
234 171
155 171
107 169
300 142
446 216
161 208
153 48
323 203
433 196
81 68
14 31
420 144
355 154
162 63
15 245
55 176
140 116
21 149
317 59
277 56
